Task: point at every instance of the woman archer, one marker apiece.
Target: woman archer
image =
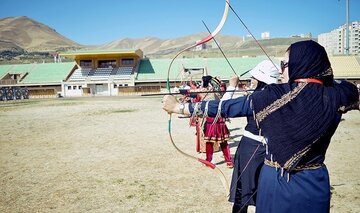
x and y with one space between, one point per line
211 132
250 153
298 119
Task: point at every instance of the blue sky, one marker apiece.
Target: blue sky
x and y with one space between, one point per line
98 22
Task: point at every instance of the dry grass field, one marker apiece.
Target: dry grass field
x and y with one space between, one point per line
113 154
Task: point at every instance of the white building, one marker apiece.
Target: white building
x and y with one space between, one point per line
265 35
302 35
335 41
201 47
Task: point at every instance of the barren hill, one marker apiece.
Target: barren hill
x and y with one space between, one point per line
231 45
27 40
30 35
156 46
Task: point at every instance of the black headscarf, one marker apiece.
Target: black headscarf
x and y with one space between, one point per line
214 82
294 116
260 85
206 80
308 59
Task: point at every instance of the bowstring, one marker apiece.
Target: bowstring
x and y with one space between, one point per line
252 35
222 52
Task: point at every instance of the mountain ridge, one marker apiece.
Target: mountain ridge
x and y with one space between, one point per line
22 35
31 35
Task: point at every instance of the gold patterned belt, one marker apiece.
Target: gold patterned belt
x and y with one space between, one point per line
297 168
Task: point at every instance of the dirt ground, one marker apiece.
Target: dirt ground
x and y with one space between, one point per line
113 154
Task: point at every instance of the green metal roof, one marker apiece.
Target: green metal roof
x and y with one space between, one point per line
39 73
48 73
156 69
15 69
4 69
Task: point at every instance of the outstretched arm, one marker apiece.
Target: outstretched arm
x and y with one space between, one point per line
239 107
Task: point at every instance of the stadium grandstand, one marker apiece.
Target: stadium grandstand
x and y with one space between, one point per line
124 72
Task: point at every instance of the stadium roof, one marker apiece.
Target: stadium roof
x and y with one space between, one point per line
156 69
86 54
49 73
46 73
346 67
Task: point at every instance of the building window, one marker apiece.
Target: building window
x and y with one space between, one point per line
69 87
107 64
74 87
127 61
85 63
80 87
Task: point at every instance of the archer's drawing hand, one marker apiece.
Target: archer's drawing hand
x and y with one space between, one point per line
234 81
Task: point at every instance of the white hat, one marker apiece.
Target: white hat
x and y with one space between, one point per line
266 72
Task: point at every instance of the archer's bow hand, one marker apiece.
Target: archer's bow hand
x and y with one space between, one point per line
170 104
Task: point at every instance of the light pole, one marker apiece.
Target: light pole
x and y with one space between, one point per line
347 28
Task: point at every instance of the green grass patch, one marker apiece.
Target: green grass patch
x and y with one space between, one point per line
13 105
118 181
110 111
17 103
64 103
123 110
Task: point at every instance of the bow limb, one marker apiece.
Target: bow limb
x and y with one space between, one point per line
221 175
220 25
202 41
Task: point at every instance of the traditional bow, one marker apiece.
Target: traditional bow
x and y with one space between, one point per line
202 41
